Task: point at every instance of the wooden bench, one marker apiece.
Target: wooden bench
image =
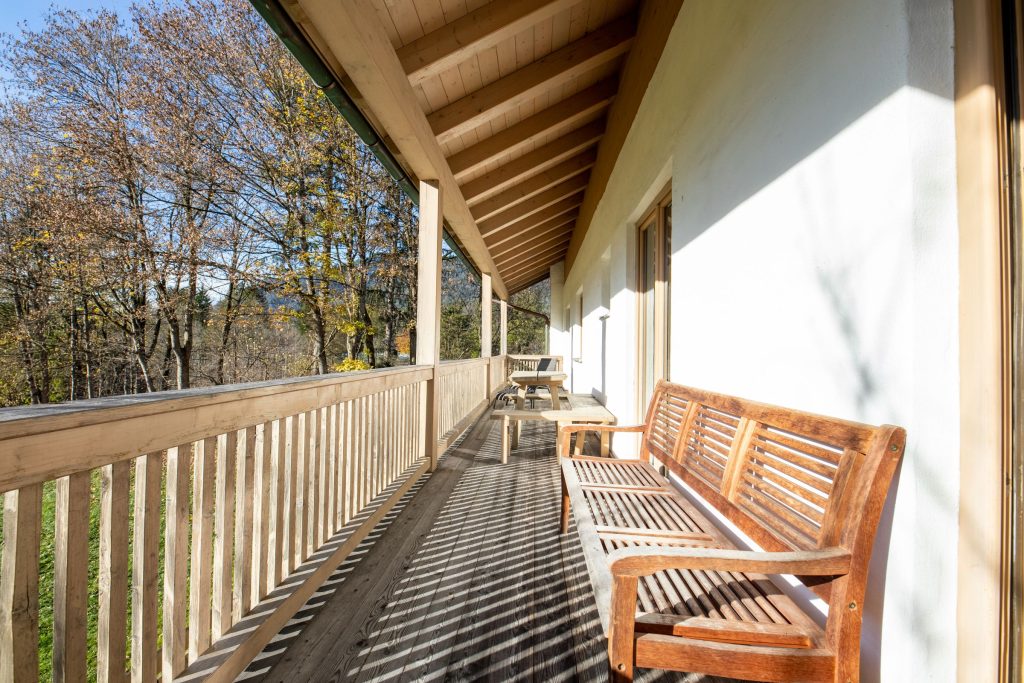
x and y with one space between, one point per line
675 593
580 410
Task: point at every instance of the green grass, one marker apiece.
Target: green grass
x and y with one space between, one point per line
46 567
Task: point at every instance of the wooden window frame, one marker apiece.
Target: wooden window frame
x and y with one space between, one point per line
656 214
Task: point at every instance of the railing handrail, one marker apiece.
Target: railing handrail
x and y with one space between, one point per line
47 446
27 420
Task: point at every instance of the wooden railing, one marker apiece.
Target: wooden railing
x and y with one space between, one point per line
462 388
498 378
244 499
518 363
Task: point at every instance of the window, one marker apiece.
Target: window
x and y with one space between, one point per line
654 253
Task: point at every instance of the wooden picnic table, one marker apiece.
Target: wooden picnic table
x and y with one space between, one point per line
552 379
576 409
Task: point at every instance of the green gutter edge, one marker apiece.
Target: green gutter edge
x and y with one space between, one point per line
293 39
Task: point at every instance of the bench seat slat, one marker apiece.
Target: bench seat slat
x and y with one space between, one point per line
626 516
744 632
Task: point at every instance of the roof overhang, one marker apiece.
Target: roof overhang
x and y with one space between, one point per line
517 109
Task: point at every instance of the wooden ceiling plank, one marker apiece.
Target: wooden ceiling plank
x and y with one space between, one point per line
557 209
542 265
545 230
656 21
360 44
529 249
485 27
526 285
533 162
572 110
534 185
541 201
538 261
523 85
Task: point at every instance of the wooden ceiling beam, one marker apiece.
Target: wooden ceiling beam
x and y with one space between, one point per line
542 260
534 204
533 162
519 227
530 283
528 250
482 28
528 83
557 225
655 24
534 185
525 281
561 116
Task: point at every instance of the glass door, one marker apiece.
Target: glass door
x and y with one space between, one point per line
654 253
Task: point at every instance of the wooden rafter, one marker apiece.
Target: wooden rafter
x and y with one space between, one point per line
533 205
549 213
482 28
529 250
534 185
542 259
527 83
656 21
557 225
538 268
526 285
561 116
533 162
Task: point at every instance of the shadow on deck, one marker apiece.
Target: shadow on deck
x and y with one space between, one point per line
466 579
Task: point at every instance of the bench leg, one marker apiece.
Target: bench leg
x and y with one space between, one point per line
563 526
621 643
606 444
504 440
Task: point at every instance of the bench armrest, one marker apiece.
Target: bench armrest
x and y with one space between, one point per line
564 431
648 560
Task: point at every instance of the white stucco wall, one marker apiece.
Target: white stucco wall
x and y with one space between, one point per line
811 152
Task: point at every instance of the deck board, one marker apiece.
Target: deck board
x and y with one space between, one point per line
466 580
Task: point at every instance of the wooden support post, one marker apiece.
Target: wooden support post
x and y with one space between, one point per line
556 331
428 307
485 315
503 330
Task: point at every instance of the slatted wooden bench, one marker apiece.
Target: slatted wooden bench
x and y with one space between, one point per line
675 593
578 409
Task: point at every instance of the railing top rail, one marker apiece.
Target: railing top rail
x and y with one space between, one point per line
27 420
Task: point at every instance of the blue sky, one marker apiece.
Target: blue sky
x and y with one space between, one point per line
12 13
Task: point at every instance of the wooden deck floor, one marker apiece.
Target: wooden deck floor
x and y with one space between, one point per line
467 579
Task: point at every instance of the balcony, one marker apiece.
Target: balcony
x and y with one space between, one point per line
283 529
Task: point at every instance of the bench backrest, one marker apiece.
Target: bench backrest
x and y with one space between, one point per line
790 480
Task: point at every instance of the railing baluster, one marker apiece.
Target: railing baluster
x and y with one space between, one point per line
145 569
19 585
291 484
241 593
301 488
175 645
112 626
223 529
316 483
276 505
71 577
201 578
263 487
346 463
331 453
